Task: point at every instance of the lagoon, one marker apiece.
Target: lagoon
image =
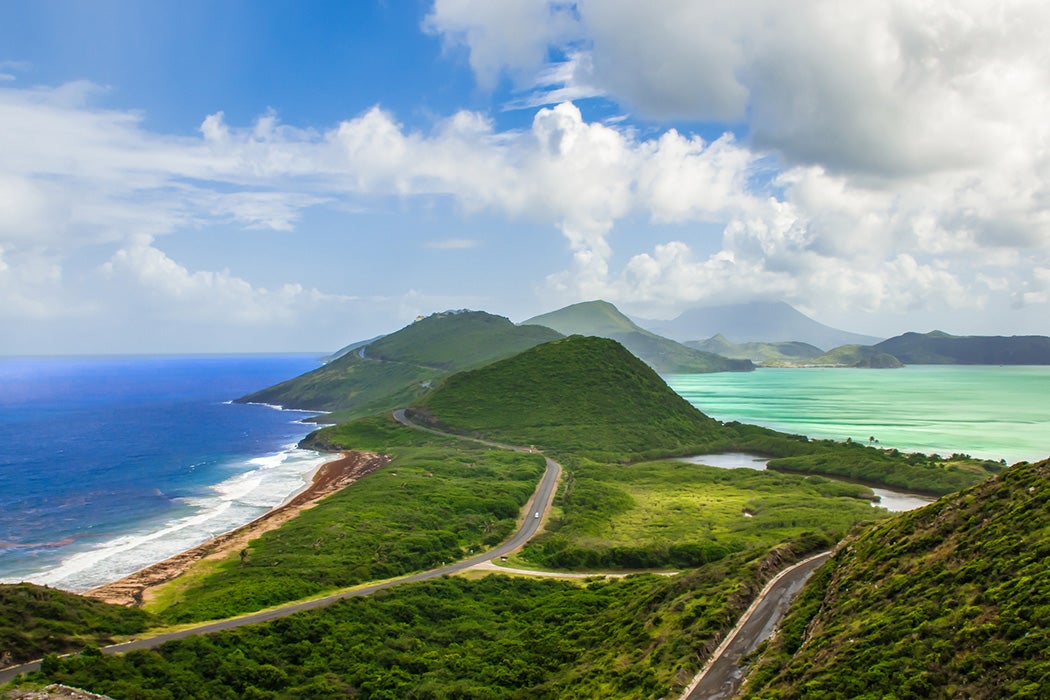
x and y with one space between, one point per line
987 412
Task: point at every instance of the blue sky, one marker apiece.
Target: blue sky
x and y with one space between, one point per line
244 176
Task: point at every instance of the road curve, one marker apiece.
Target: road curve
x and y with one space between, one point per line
721 677
539 503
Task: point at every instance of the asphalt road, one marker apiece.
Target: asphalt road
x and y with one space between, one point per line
540 503
722 676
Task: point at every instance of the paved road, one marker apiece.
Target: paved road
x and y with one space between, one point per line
721 677
540 503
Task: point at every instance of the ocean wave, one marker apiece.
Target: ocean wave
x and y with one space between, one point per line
269 481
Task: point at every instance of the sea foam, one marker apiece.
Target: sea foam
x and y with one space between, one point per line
270 481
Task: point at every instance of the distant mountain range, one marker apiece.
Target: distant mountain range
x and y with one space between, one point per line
786 352
759 321
938 348
602 319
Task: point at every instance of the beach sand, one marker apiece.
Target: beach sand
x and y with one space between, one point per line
330 477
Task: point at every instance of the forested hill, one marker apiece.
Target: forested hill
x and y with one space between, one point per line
952 600
602 319
577 394
939 348
398 368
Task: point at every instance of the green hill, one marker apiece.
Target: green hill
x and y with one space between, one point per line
938 348
952 600
398 368
602 319
36 620
578 394
788 352
857 356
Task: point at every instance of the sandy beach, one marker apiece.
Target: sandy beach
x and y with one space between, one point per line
327 479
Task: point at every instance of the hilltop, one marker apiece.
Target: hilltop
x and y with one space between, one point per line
577 394
397 368
766 322
602 319
785 352
939 348
946 601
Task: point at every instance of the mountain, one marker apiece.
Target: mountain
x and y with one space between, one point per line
857 356
582 393
602 319
951 600
787 352
938 348
347 349
398 368
767 322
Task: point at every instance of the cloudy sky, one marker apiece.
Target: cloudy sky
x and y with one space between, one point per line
246 176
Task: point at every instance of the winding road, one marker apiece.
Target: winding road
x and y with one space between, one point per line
719 679
539 503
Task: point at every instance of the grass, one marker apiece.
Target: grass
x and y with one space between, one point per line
673 514
494 637
436 501
952 600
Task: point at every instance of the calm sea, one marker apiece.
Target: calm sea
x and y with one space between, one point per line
110 464
988 412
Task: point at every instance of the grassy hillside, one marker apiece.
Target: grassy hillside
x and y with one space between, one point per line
857 356
398 368
788 352
35 620
952 600
939 348
580 394
602 319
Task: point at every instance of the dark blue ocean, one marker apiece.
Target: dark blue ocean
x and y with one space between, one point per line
109 464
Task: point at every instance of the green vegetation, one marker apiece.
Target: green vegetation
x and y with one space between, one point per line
437 500
952 600
938 348
916 472
497 637
35 620
602 319
674 514
398 368
580 395
788 352
857 356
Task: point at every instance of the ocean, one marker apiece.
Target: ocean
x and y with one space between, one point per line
987 412
109 464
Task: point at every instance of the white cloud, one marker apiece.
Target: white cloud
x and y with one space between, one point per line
77 178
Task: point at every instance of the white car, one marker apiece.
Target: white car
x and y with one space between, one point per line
537 516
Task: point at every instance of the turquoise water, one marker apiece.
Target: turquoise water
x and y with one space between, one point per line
988 412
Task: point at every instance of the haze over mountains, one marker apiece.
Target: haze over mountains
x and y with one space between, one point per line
757 321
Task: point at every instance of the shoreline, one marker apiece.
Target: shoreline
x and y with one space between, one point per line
328 478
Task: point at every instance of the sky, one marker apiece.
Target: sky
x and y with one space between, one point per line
203 176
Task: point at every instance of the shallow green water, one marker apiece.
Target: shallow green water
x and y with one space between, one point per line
989 412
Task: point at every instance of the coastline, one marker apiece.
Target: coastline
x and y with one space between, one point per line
328 478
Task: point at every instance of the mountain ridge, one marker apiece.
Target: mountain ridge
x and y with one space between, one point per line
602 319
764 322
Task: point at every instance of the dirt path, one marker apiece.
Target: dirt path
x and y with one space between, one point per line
329 478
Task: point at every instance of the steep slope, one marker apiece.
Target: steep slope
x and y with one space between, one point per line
399 367
602 319
786 352
36 620
952 600
581 394
939 348
767 322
